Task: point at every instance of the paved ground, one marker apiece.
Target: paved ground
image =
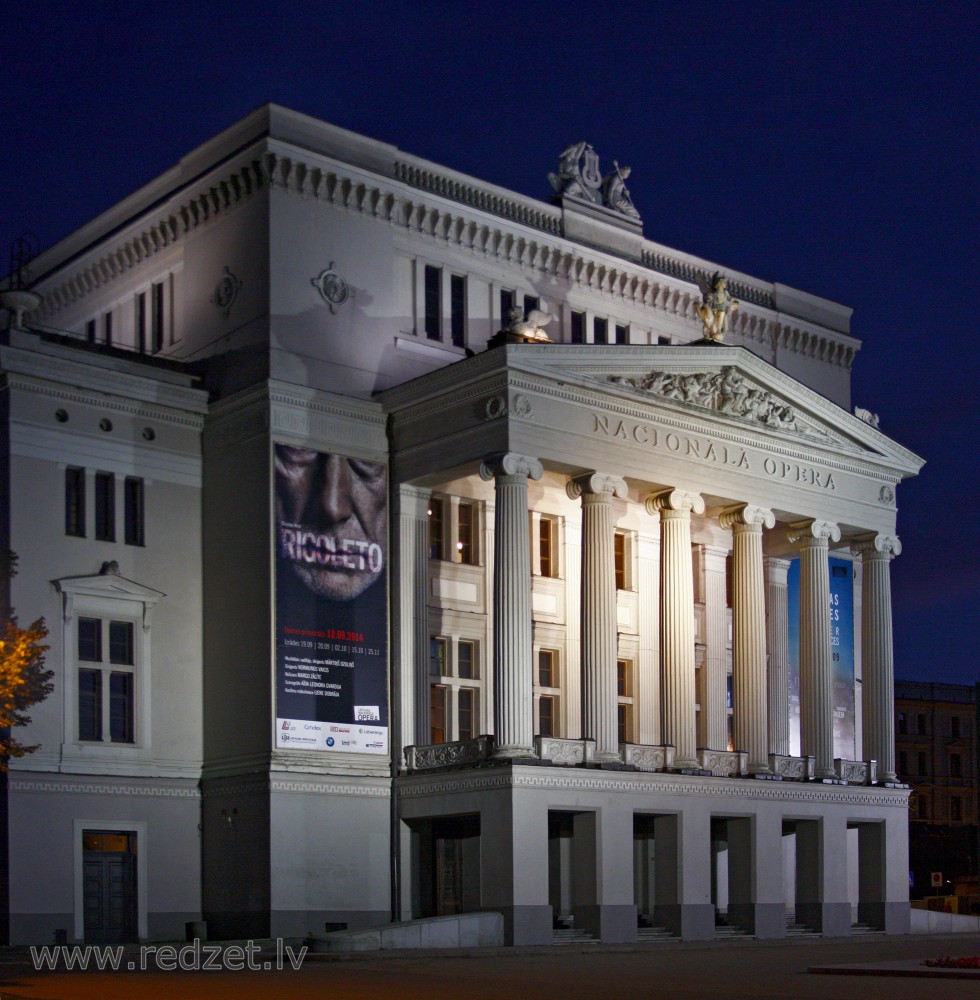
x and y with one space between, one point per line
728 971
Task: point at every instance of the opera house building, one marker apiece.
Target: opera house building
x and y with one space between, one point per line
412 547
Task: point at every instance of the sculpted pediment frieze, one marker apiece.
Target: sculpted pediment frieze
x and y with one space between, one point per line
729 392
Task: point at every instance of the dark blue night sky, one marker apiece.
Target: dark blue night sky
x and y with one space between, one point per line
829 146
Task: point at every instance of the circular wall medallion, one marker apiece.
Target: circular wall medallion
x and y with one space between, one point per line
886 494
226 291
333 287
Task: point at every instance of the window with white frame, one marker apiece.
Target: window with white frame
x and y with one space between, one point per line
547 693
106 659
455 533
545 544
623 558
455 687
625 700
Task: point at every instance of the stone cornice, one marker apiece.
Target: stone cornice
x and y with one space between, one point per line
582 780
225 187
659 281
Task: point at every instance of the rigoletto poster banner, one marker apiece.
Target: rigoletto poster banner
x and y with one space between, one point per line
331 529
841 655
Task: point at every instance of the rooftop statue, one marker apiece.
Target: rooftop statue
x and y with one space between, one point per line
529 327
578 176
715 308
615 194
578 173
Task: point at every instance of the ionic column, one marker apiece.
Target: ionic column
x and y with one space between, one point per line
777 644
749 633
677 619
599 629
412 626
816 669
512 667
877 659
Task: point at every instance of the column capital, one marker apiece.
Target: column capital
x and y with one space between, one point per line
810 532
678 501
510 464
886 546
747 516
596 483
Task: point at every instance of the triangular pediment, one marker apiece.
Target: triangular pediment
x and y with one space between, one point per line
725 386
108 584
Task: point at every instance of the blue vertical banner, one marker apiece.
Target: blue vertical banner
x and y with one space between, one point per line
841 655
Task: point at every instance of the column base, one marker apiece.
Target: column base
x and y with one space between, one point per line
689 921
764 920
610 924
830 919
525 925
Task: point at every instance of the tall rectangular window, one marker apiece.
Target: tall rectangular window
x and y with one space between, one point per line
506 304
465 661
437 714
920 760
464 544
120 707
546 668
436 528
89 704
457 309
547 691
624 691
546 715
107 329
954 727
433 302
75 502
577 332
133 510
104 692
141 322
622 334
438 665
600 331
90 331
619 555
531 302
956 808
955 765
921 725
156 317
466 713
105 506
546 546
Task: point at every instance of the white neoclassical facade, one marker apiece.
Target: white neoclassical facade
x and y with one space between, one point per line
409 549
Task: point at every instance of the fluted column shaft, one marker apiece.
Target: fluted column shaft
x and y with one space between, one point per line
816 668
677 620
749 633
777 645
599 627
512 660
877 657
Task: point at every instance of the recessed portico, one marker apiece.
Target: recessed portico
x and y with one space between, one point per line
681 450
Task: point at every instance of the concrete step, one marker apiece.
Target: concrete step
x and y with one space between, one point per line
569 935
654 935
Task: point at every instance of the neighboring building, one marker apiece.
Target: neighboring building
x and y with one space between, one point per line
655 567
936 742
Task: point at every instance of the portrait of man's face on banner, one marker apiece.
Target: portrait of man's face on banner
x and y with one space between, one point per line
331 530
332 518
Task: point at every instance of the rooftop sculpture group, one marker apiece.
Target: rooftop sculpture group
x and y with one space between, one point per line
578 176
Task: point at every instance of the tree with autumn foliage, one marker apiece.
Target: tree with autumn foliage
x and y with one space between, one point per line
23 678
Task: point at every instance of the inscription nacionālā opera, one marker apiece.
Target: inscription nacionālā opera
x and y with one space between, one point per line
706 450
